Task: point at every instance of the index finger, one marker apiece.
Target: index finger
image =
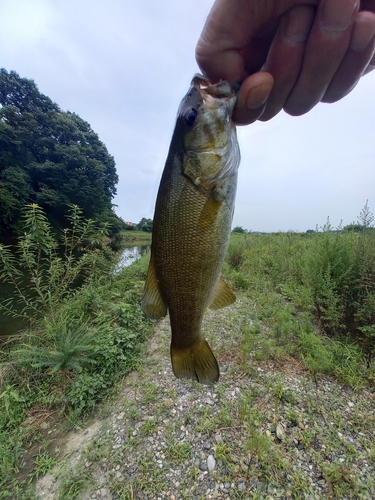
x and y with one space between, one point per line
217 52
326 47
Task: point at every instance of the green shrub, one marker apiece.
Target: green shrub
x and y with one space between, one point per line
315 353
236 251
86 329
45 271
59 343
340 271
326 278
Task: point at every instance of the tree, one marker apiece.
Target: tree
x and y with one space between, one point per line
353 228
145 225
239 229
49 157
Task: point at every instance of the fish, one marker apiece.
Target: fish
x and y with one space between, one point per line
192 223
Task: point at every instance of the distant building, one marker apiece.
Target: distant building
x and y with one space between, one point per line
130 226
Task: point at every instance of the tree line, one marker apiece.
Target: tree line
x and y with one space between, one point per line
50 157
143 225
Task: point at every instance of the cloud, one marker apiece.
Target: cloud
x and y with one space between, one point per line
124 66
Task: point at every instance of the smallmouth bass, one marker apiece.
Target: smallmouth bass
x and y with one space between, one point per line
192 222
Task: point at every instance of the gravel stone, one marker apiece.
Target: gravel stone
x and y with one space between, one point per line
172 439
211 463
280 433
241 486
218 438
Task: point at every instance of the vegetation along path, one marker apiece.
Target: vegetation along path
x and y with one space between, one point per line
268 429
292 415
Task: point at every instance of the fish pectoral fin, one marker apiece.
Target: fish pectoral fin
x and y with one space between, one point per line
223 295
196 362
209 213
152 302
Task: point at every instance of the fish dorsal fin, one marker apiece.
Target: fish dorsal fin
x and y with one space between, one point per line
152 302
223 295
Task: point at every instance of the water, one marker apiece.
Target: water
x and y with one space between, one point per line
130 255
9 325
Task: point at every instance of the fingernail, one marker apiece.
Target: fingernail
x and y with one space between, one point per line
362 36
297 24
257 96
338 14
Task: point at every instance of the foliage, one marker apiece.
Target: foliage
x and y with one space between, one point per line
133 238
340 271
235 255
11 403
366 218
49 157
328 277
57 343
353 227
43 463
239 230
51 271
85 329
145 225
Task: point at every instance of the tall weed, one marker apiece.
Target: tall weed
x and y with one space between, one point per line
86 328
340 272
235 255
326 278
44 271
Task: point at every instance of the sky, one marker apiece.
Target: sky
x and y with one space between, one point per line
124 66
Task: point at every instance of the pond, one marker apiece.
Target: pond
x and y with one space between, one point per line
130 255
9 325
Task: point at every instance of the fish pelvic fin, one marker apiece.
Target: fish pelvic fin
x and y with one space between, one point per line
196 362
223 295
152 302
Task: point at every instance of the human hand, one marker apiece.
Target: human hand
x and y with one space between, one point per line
287 54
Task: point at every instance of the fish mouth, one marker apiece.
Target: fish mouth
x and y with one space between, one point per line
219 90
215 94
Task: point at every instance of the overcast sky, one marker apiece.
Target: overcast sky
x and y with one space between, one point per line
124 66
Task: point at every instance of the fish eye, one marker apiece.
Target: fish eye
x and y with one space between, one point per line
190 116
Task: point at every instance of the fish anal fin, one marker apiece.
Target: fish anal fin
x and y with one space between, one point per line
152 302
223 295
196 362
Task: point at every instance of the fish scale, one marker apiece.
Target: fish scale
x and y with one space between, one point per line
192 221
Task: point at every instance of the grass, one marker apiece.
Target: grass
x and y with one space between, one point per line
43 463
161 436
279 270
69 362
275 332
130 238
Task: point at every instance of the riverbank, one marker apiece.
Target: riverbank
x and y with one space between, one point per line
138 241
60 369
267 429
291 417
130 238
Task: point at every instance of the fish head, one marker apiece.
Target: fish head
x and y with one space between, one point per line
207 132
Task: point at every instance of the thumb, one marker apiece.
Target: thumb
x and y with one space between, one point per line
252 98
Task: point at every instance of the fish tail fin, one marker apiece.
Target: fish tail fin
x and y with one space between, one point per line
196 362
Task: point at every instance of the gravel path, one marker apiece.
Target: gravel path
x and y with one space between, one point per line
265 430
